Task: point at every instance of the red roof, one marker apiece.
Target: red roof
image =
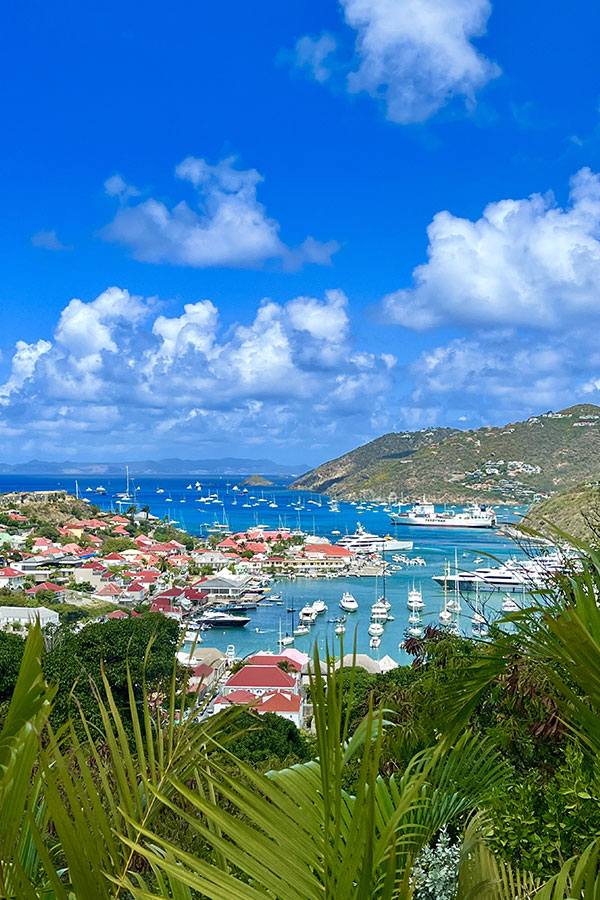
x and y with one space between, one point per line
164 609
109 590
114 557
327 550
268 659
45 586
10 573
236 697
117 614
261 677
202 671
120 519
279 702
134 587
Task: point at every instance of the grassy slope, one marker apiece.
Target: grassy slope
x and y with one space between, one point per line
434 463
575 511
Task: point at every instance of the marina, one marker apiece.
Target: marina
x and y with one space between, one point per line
418 559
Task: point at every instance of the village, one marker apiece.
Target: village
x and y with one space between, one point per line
108 567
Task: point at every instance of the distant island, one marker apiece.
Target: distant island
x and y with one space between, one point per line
257 481
516 463
170 466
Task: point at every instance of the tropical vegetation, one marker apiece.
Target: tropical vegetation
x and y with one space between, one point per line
405 789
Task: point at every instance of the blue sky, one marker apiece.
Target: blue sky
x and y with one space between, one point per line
282 229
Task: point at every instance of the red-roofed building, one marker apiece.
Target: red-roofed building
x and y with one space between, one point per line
286 704
119 520
135 592
56 589
17 517
272 659
117 614
114 558
171 612
111 592
202 676
260 680
10 578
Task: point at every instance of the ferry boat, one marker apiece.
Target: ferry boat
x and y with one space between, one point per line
363 541
424 513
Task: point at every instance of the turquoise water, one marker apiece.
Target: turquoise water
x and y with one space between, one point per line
435 546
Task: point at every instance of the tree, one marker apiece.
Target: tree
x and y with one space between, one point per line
116 645
11 654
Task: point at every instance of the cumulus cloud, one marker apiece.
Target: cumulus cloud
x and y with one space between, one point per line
413 55
312 53
116 374
48 240
231 227
525 262
503 376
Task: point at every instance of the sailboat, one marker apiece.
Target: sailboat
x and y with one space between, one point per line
285 641
445 614
454 603
127 494
478 623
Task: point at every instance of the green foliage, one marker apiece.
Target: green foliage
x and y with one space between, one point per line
110 646
269 739
116 544
11 654
435 872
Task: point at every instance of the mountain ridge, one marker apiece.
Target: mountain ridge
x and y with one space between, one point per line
508 463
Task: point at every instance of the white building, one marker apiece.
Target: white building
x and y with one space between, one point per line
22 616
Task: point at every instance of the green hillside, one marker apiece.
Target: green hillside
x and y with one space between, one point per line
513 463
575 511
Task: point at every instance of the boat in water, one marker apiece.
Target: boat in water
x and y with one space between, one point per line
363 541
217 619
512 577
348 602
425 514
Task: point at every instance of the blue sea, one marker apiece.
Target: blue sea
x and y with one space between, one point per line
180 504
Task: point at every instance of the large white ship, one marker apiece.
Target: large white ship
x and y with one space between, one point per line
364 542
425 514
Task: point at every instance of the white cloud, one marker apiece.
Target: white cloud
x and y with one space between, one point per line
311 53
231 229
525 262
22 366
116 375
413 55
48 240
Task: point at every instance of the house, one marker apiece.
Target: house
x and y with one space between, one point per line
23 616
171 612
224 585
10 578
135 592
111 593
59 592
261 680
202 678
286 704
208 656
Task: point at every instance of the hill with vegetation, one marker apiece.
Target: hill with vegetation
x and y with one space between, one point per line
257 481
575 511
511 463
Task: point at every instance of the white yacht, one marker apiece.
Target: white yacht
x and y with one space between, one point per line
363 541
375 643
424 513
512 577
415 599
222 620
348 602
379 613
319 607
376 629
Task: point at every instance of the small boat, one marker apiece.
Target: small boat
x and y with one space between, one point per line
286 640
509 605
319 607
301 629
415 599
188 487
100 489
375 643
348 602
376 629
340 628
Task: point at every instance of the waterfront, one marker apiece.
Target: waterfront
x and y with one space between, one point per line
436 546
